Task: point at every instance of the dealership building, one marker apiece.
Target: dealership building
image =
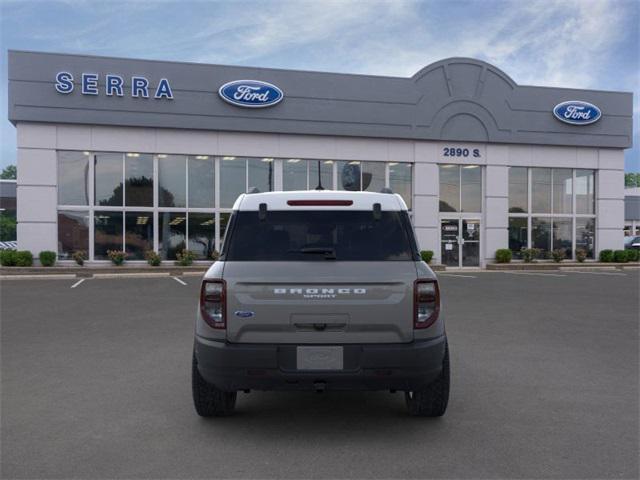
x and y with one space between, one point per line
141 155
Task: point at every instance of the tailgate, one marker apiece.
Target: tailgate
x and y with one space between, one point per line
320 302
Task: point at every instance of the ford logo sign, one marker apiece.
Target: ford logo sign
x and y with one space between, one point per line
244 313
250 93
576 112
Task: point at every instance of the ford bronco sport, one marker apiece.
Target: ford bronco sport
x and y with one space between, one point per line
320 290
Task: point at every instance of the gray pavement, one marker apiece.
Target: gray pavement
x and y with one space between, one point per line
96 384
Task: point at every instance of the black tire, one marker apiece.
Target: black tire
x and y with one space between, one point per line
208 400
432 400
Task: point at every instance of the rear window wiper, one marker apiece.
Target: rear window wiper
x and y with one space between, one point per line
329 252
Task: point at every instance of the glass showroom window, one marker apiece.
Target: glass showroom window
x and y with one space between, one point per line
73 178
186 184
361 176
460 188
172 181
300 174
138 234
239 174
107 233
138 177
400 180
108 173
556 205
73 232
172 234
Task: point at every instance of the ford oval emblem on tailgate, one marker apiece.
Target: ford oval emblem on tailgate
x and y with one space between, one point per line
250 93
244 314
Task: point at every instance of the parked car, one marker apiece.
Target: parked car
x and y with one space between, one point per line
632 242
320 290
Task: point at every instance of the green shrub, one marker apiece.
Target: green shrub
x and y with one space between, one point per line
633 255
581 254
620 256
117 256
503 255
215 255
24 258
530 254
153 258
426 255
185 258
558 255
79 256
8 258
47 258
606 255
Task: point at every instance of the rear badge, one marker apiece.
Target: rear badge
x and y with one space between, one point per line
243 314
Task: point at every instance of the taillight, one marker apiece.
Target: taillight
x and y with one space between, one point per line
426 301
213 303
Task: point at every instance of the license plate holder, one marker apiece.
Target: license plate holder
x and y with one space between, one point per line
320 358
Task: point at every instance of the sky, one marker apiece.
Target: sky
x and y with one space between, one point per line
567 43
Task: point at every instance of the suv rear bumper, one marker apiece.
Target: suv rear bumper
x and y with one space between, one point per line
406 366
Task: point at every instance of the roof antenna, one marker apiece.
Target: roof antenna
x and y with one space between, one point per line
319 187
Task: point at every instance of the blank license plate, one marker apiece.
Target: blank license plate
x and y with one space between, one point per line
319 358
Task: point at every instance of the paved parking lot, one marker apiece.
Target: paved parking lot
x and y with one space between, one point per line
96 384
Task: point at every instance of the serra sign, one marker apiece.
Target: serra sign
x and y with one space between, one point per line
113 85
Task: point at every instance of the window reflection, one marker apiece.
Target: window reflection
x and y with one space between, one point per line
201 181
585 235
585 192
260 174
73 233
518 190
294 174
202 234
471 188
108 179
541 190
400 179
108 233
541 235
73 178
139 180
373 176
326 174
562 235
517 235
449 188
172 232
138 234
171 180
233 180
562 190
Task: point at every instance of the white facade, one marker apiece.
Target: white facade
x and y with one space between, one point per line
37 173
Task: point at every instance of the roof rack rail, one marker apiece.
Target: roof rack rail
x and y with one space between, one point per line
386 190
253 190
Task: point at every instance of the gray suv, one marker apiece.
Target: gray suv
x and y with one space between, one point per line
320 290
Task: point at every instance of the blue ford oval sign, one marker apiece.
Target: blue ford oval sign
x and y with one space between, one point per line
577 112
250 93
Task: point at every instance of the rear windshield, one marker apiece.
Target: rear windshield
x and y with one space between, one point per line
319 235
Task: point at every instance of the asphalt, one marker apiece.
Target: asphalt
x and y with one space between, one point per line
96 384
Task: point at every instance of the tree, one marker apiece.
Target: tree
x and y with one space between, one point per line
632 180
9 173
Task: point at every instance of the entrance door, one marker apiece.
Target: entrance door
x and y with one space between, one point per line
460 242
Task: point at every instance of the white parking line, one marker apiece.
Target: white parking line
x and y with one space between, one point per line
78 283
599 273
456 275
179 281
538 274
